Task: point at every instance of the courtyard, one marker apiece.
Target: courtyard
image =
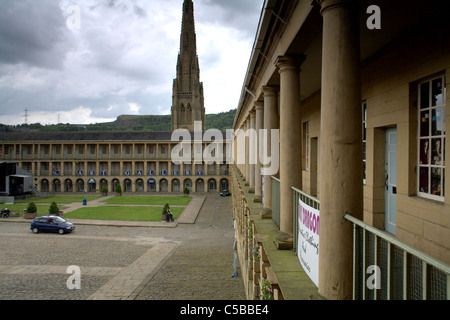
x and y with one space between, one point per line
190 260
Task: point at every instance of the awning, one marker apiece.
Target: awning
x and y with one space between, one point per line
91 180
20 176
151 181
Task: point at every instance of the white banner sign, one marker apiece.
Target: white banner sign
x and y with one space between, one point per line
308 240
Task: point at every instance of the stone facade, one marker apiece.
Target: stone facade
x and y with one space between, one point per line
188 100
139 162
362 123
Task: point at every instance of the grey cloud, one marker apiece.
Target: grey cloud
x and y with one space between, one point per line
125 52
33 32
236 14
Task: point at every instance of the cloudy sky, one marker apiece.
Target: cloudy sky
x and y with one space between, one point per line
89 61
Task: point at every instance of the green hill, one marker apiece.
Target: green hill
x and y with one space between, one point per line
221 121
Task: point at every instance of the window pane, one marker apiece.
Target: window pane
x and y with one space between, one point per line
425 95
436 181
436 122
424 151
423 183
424 123
437 92
436 147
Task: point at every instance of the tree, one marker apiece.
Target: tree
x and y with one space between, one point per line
119 189
54 210
31 208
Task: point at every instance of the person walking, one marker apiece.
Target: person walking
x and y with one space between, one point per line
235 274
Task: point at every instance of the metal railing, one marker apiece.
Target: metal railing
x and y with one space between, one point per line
385 268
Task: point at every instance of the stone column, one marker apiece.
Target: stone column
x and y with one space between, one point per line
341 161
252 147
290 143
259 124
247 149
270 123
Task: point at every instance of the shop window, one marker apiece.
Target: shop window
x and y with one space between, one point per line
431 148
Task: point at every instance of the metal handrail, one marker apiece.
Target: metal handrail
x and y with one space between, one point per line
424 258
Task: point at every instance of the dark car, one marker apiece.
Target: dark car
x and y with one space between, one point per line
224 193
51 224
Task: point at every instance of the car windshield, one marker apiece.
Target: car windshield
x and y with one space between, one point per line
58 220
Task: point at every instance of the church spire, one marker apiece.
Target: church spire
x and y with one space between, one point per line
188 37
188 101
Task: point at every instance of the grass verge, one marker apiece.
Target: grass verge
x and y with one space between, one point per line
150 200
121 213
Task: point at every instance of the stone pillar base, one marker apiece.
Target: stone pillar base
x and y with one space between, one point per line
284 241
266 213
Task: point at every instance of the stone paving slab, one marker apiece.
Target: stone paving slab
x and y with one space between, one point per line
129 279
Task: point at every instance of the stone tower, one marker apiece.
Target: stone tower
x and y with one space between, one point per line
187 97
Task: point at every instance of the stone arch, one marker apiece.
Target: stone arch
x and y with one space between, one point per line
163 185
200 185
68 185
56 185
212 185
80 186
140 186
187 183
224 184
176 185
127 186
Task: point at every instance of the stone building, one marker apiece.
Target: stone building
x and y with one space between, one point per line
85 162
188 100
357 92
138 161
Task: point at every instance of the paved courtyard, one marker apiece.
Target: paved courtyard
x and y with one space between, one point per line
192 261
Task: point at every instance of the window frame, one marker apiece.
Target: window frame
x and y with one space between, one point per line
364 139
430 137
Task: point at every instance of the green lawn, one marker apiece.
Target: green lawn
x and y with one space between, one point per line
59 199
109 212
121 213
151 200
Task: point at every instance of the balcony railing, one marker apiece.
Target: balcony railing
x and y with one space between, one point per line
385 268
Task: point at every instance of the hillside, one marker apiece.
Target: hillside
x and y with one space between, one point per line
221 121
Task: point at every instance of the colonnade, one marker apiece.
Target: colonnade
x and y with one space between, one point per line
340 166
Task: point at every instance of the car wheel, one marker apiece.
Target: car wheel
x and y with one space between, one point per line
60 231
35 230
